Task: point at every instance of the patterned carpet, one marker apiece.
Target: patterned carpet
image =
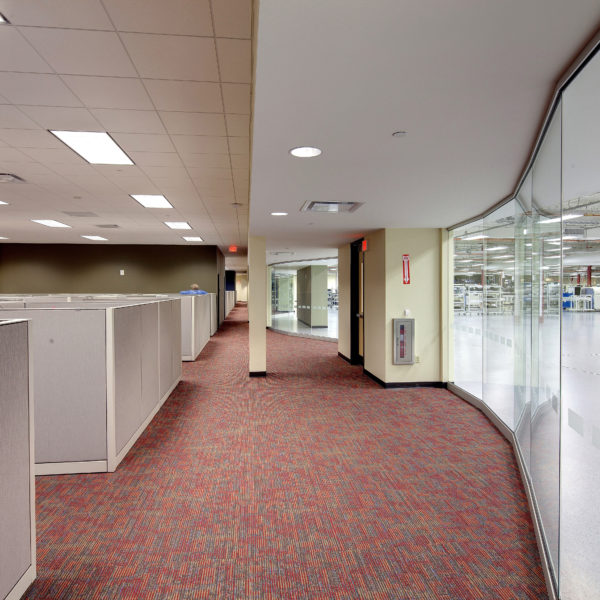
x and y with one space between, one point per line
312 483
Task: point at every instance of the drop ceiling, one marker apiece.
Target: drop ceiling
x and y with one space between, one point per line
169 81
468 81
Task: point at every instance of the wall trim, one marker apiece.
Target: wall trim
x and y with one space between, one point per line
404 384
344 358
533 507
257 374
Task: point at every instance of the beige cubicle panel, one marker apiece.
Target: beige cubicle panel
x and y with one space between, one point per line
17 480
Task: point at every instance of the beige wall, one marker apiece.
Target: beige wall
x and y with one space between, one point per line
375 349
387 297
344 300
241 287
422 297
95 268
257 304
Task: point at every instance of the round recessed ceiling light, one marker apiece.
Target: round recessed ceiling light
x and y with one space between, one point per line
279 214
399 133
305 152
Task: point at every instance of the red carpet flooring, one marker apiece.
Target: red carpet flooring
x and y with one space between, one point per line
313 483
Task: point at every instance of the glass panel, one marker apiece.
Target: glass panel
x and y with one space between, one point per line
580 433
522 325
499 302
468 307
304 298
545 398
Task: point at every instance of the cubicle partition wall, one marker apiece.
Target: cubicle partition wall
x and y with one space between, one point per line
17 491
229 301
195 324
214 315
102 371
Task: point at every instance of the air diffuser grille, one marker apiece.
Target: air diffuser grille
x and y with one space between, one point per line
331 207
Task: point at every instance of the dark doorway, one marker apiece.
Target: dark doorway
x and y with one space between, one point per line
356 303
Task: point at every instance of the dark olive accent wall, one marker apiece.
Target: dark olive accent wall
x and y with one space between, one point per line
87 268
221 278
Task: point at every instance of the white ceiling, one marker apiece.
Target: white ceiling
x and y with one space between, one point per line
468 80
171 83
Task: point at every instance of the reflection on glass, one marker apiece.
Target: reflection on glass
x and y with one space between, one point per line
304 298
545 405
468 307
499 303
580 423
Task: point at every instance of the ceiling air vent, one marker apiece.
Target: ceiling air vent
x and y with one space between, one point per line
331 207
108 226
10 178
574 231
79 213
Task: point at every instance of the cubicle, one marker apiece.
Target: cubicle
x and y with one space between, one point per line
195 324
229 301
17 496
102 371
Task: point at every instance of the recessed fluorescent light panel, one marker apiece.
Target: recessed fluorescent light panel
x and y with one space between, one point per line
3 238
193 238
2 202
50 223
95 238
557 219
97 147
305 152
177 224
279 214
152 200
474 237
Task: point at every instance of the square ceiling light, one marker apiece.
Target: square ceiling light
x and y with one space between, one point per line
330 207
96 147
95 238
50 223
152 200
177 224
193 238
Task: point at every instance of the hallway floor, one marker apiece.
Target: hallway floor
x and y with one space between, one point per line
311 483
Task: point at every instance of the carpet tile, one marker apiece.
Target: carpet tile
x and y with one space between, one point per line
312 483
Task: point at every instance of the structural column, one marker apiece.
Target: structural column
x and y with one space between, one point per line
257 305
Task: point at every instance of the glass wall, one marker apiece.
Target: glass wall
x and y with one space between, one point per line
526 335
304 298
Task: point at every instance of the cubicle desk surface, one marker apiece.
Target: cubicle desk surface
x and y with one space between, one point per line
17 469
102 371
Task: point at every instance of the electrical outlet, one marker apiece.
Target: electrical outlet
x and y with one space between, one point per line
417 359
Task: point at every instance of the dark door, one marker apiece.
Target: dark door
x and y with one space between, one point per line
356 303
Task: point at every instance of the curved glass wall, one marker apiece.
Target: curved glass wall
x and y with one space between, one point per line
526 329
304 298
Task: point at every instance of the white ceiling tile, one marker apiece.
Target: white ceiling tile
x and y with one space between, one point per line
12 118
109 92
235 60
78 52
210 173
162 172
17 55
139 142
236 98
36 88
233 18
67 119
48 156
194 123
78 14
156 159
238 125
128 121
29 138
181 17
187 96
10 155
172 56
206 160
194 144
239 145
